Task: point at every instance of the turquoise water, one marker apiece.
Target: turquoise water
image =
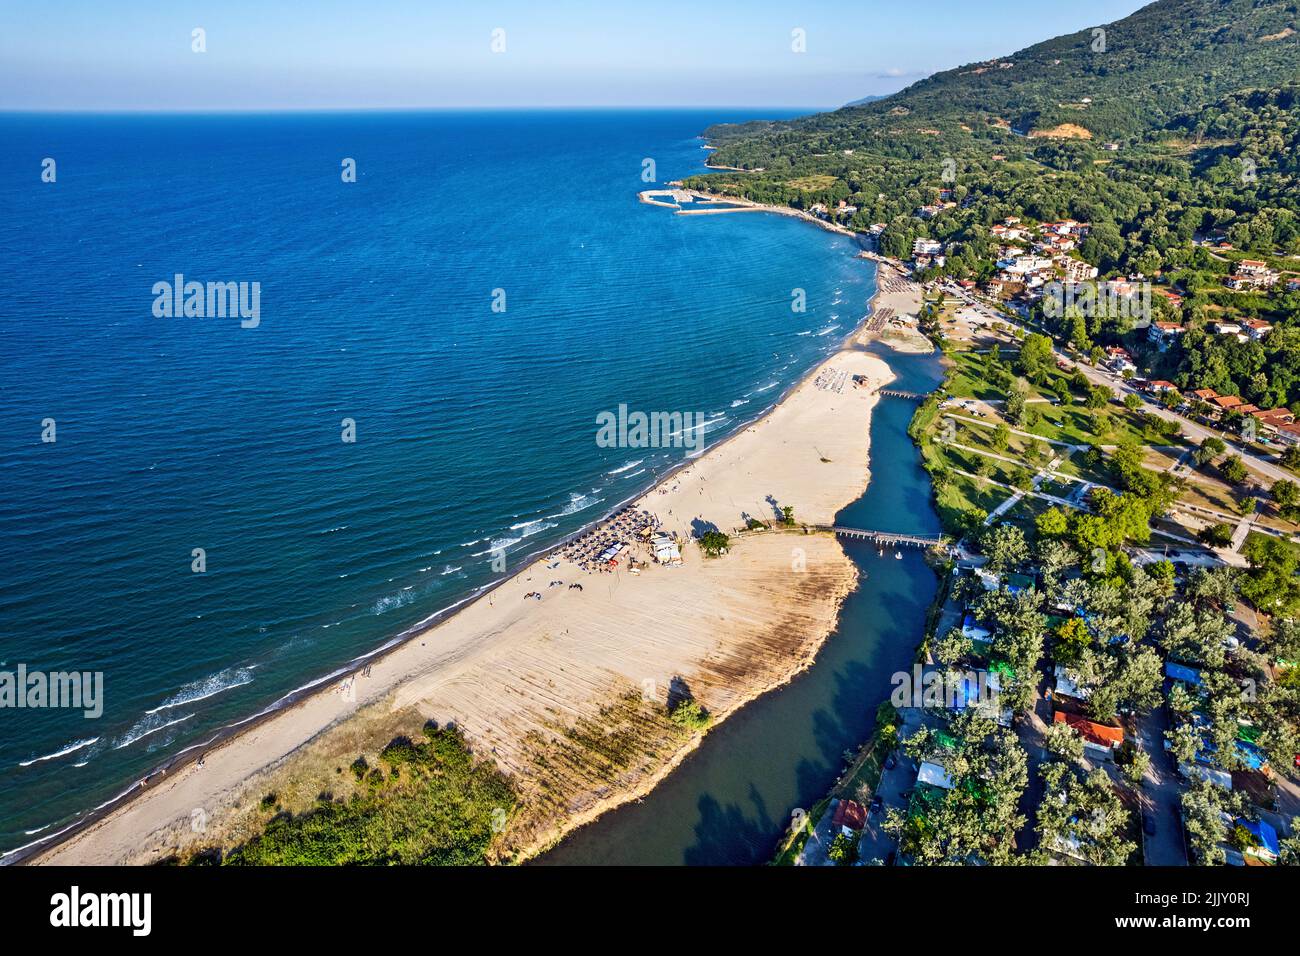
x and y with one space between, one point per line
730 801
474 428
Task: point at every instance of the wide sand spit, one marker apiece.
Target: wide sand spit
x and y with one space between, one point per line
514 673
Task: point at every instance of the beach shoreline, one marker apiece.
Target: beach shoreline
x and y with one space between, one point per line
739 204
62 846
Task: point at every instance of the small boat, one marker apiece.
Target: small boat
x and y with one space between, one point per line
898 555
880 553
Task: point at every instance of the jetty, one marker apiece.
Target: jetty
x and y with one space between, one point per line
900 393
889 537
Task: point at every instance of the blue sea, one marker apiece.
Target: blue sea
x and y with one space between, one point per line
474 427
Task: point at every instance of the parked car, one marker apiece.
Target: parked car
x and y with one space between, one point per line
1149 824
877 805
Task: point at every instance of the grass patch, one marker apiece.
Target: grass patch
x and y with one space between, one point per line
426 803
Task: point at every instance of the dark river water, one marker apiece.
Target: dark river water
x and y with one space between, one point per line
730 801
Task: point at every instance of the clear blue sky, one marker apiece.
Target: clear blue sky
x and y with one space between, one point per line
135 54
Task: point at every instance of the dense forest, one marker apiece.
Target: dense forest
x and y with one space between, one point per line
1178 122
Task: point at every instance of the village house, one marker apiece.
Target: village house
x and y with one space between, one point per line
1099 740
1170 296
1120 360
1252 274
926 247
1256 328
1024 265
1290 434
1226 402
1271 419
1164 333
1075 270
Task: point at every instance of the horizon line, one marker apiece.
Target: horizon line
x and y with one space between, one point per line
588 107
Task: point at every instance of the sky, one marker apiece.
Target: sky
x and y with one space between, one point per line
329 54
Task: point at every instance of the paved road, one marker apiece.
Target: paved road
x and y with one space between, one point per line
1160 796
819 842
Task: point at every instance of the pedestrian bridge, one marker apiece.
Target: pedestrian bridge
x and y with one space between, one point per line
890 538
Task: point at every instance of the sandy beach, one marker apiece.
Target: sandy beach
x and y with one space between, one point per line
898 305
516 674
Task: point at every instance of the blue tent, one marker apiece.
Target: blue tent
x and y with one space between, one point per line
1263 833
1186 675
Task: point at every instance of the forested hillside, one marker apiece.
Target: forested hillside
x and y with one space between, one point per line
1177 123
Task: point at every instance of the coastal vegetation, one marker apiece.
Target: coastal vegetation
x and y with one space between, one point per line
427 802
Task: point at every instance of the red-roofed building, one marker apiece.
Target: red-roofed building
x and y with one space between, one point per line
849 815
1274 418
1097 736
1206 394
1226 401
1256 328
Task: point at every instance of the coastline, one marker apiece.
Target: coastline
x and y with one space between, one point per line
739 205
259 729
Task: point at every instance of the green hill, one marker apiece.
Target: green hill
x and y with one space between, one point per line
1115 80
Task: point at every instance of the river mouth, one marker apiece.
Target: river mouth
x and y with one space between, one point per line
730 801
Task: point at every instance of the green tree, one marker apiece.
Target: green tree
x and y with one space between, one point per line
1035 361
1005 546
1232 469
714 542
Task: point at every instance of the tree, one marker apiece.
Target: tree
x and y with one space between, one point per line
1285 492
1099 397
1052 523
1071 641
1232 469
1289 847
1271 584
978 817
1063 742
1204 806
787 516
1001 437
689 715
843 850
1210 449
1053 558
1134 765
1163 574
952 648
1036 359
1005 546
714 542
1218 535
1082 816
1016 407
